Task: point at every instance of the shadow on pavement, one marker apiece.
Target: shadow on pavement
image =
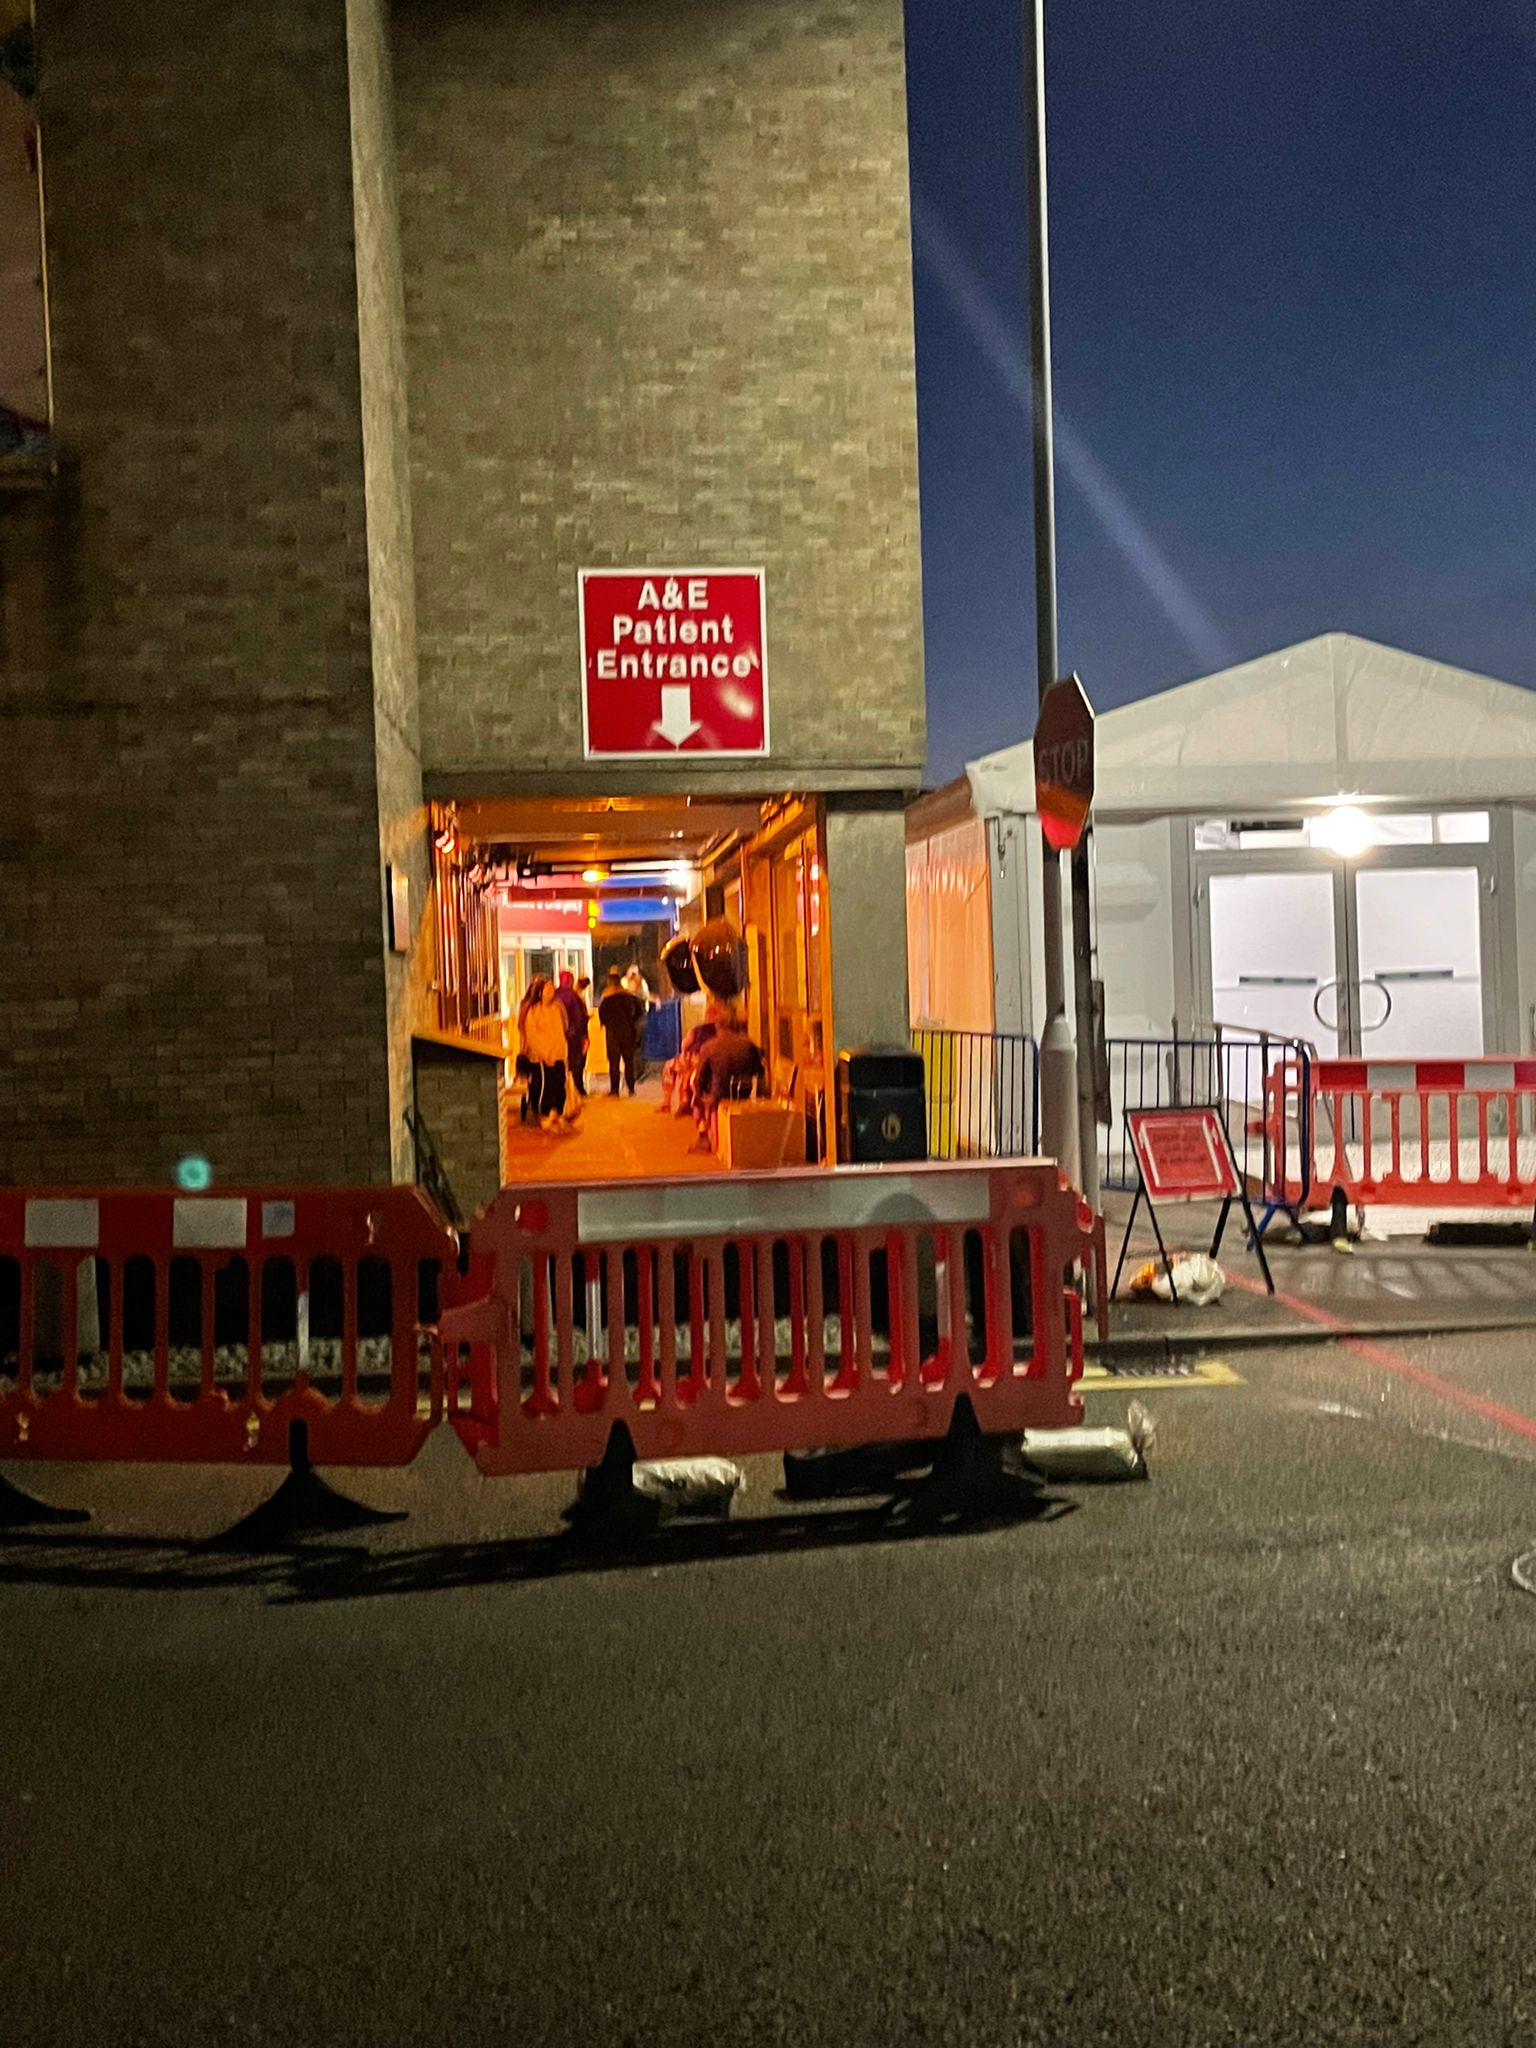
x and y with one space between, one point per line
332 1571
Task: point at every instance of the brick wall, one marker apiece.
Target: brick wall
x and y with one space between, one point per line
659 305
655 299
189 888
456 1094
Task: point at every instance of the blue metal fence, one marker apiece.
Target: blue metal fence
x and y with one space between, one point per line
661 1035
1216 1067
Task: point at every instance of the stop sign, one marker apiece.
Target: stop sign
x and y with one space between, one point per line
1064 763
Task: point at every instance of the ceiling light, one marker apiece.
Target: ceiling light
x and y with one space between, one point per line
1346 831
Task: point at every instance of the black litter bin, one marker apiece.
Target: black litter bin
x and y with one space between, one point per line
882 1109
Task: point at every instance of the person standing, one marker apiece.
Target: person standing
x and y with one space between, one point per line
637 985
620 1013
575 1010
547 1046
527 1072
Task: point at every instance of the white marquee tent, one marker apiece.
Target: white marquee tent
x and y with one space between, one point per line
1332 719
1223 890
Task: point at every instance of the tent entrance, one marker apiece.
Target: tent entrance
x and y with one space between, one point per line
1377 949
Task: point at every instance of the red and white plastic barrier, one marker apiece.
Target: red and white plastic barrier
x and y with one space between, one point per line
143 1325
1422 1133
732 1314
758 1313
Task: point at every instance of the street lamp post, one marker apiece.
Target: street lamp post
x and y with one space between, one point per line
1058 1066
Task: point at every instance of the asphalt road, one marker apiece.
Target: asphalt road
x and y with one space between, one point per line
1242 1755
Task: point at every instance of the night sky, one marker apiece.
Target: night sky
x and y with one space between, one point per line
1293 268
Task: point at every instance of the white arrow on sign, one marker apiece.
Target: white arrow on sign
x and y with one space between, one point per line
677 722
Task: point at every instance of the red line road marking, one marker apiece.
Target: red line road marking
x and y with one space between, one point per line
1404 1368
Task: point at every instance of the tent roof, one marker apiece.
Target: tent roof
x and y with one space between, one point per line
1329 718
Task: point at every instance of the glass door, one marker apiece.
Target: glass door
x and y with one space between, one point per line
527 955
1384 955
1417 960
1276 953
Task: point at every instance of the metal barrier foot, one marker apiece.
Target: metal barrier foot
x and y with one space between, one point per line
607 1511
973 1475
22 1510
304 1505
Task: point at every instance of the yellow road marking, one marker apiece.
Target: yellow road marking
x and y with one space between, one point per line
1210 1372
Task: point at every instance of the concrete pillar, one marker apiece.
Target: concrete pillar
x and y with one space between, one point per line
867 913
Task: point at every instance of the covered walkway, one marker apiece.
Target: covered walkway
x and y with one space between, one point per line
616 1139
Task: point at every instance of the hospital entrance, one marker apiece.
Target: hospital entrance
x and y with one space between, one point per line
706 907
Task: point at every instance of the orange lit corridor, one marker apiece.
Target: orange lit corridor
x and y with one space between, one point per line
617 1138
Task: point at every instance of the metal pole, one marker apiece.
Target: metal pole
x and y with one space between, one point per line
1058 1117
1082 988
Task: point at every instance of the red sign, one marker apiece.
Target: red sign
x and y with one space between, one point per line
1184 1154
1064 763
673 661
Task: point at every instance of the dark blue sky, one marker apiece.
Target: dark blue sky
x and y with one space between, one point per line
1293 251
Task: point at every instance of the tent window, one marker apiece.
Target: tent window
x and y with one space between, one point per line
1388 828
1462 828
1272 833
1405 828
1214 835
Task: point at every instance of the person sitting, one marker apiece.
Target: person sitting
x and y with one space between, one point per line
677 1076
730 1068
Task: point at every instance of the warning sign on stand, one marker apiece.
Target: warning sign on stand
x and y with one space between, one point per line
673 661
1185 1155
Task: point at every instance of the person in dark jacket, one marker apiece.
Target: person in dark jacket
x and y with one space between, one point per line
620 1015
576 1026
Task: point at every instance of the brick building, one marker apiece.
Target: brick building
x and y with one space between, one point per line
368 331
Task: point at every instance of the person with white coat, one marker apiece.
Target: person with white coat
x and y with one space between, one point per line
546 1044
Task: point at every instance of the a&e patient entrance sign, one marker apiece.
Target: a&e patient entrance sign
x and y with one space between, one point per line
673 661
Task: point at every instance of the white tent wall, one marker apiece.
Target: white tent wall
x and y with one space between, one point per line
1135 892
1013 848
1140 914
1141 922
919 912
949 929
1521 914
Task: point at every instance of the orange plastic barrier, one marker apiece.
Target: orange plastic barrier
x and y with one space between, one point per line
150 1325
769 1312
1421 1133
